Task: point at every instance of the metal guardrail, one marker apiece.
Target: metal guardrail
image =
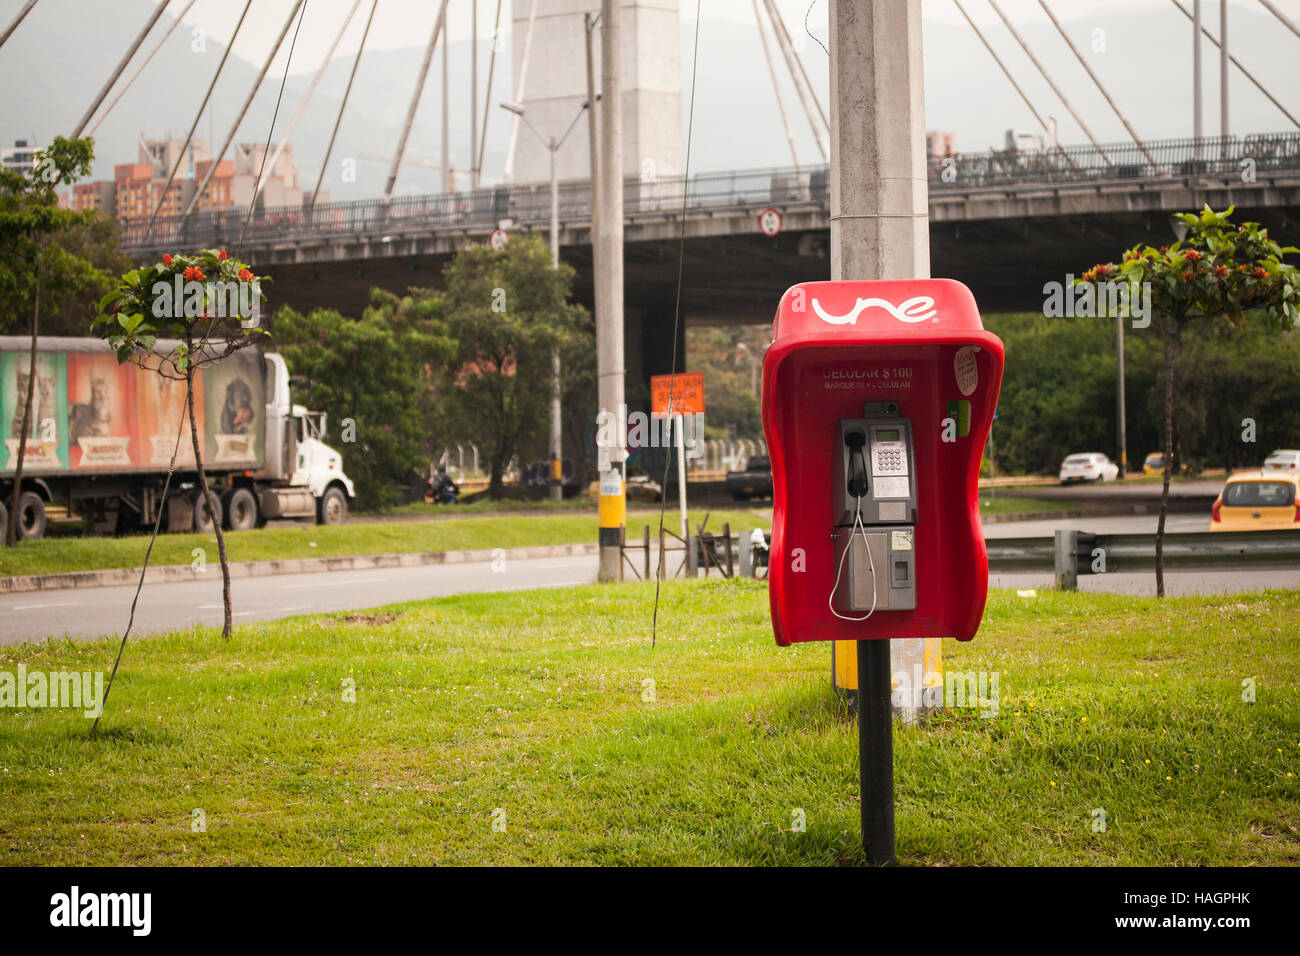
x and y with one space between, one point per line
1073 553
480 210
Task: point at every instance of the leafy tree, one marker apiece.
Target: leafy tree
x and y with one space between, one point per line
1218 272
506 312
144 308
36 267
377 371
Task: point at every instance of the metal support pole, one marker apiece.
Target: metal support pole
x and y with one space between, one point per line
876 752
680 425
76 133
487 100
609 282
557 448
1244 72
1121 416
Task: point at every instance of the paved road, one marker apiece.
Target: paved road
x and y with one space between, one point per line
93 612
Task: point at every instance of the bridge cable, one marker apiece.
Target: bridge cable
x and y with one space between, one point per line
1235 62
780 22
415 101
1050 82
216 158
140 69
16 20
998 60
487 103
306 98
677 316
1278 13
158 12
776 86
180 156
1102 89
811 107
275 114
343 106
520 86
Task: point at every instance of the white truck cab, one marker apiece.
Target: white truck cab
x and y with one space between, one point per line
303 476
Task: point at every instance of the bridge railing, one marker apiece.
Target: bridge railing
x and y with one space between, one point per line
482 209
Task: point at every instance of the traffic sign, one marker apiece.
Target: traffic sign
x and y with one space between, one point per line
769 222
686 389
498 240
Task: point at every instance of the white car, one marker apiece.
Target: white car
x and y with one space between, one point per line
1093 466
1284 459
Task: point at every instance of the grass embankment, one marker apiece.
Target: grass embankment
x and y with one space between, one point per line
534 709
280 541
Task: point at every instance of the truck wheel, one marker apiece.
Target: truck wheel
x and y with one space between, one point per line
332 507
240 506
202 515
31 517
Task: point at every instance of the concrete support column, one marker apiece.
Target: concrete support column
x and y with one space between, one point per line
879 204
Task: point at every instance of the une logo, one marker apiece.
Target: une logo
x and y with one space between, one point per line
911 311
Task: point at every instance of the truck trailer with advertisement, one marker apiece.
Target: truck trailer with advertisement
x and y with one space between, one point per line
102 434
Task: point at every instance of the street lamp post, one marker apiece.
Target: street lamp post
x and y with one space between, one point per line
553 146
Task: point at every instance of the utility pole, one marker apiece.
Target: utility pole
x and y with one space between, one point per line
612 511
879 230
557 433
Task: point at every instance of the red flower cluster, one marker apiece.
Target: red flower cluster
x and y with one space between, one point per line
222 255
245 276
1220 270
194 274
167 259
1192 256
1259 272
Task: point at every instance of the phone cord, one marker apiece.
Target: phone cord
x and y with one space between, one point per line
857 527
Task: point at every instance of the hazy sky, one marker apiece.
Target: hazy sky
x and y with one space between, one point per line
401 23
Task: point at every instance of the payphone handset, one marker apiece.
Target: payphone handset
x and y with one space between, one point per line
875 502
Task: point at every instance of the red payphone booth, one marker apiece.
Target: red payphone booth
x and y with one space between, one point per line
877 402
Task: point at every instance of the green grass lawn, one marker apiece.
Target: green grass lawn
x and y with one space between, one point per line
281 540
1008 504
534 709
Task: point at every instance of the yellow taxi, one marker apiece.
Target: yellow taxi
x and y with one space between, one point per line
1154 464
1255 500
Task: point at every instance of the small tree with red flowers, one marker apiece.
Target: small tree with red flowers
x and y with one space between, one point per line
210 304
1218 272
